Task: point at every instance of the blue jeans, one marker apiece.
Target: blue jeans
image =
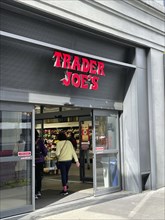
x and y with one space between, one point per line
64 167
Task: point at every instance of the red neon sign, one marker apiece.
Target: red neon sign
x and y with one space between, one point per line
75 64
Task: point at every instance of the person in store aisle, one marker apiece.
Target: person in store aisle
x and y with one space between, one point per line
72 139
40 154
65 152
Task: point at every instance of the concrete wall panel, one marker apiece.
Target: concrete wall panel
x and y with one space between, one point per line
131 139
156 117
125 19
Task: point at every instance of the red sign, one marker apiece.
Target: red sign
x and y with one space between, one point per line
24 153
93 70
99 148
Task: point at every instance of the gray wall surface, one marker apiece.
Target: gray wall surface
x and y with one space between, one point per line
156 117
143 123
69 35
131 139
138 21
143 118
135 127
136 144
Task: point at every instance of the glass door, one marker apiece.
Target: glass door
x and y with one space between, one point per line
106 163
86 150
16 162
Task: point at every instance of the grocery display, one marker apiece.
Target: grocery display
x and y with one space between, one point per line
50 140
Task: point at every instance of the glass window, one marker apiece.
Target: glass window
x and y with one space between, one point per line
107 170
15 127
15 168
106 136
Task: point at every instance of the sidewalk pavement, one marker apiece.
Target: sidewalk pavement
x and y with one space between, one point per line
123 205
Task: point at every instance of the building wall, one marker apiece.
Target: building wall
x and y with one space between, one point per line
142 23
139 21
131 152
156 117
136 143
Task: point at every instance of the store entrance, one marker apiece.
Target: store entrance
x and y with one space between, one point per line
97 136
50 120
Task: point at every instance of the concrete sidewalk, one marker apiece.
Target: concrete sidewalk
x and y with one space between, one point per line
146 205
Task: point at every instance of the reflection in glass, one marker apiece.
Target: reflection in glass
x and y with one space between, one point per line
106 136
12 126
15 170
15 186
107 170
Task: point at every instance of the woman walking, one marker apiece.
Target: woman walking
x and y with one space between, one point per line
65 153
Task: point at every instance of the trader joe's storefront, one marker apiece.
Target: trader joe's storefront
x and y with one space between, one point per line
86 72
73 74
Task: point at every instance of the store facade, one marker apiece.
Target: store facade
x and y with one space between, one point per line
47 59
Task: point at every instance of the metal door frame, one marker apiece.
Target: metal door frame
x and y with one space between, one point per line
16 107
106 152
82 167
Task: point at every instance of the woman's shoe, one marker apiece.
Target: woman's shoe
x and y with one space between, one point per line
64 193
39 194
